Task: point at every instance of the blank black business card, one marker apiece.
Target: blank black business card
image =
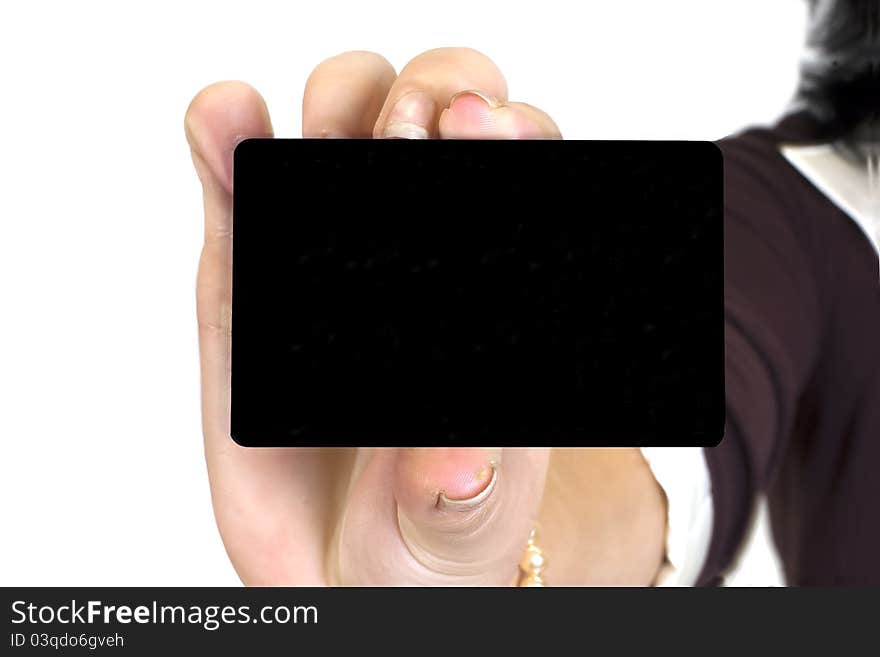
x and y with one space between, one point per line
427 293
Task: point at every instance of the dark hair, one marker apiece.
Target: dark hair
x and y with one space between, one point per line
840 73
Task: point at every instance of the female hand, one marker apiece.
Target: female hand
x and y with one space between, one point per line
407 516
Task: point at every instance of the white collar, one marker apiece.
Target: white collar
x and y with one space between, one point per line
845 184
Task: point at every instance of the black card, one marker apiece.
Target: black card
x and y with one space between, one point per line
397 292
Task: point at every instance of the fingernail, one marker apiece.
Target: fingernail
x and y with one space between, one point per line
475 94
489 472
411 117
470 115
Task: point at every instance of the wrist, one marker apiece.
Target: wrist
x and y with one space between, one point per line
603 518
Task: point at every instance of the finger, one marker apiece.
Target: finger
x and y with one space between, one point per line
344 95
269 539
468 512
427 84
475 115
218 118
441 516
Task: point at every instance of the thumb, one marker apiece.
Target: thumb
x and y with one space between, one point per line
465 513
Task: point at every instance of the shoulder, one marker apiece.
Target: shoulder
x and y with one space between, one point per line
756 169
764 193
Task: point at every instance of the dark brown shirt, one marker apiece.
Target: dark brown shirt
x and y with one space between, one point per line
802 317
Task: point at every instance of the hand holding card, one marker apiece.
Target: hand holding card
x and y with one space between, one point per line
322 515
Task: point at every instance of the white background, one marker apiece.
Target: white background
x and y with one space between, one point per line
102 480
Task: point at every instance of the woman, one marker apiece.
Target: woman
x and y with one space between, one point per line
803 364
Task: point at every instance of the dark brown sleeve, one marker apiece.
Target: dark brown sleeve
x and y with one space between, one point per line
773 326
